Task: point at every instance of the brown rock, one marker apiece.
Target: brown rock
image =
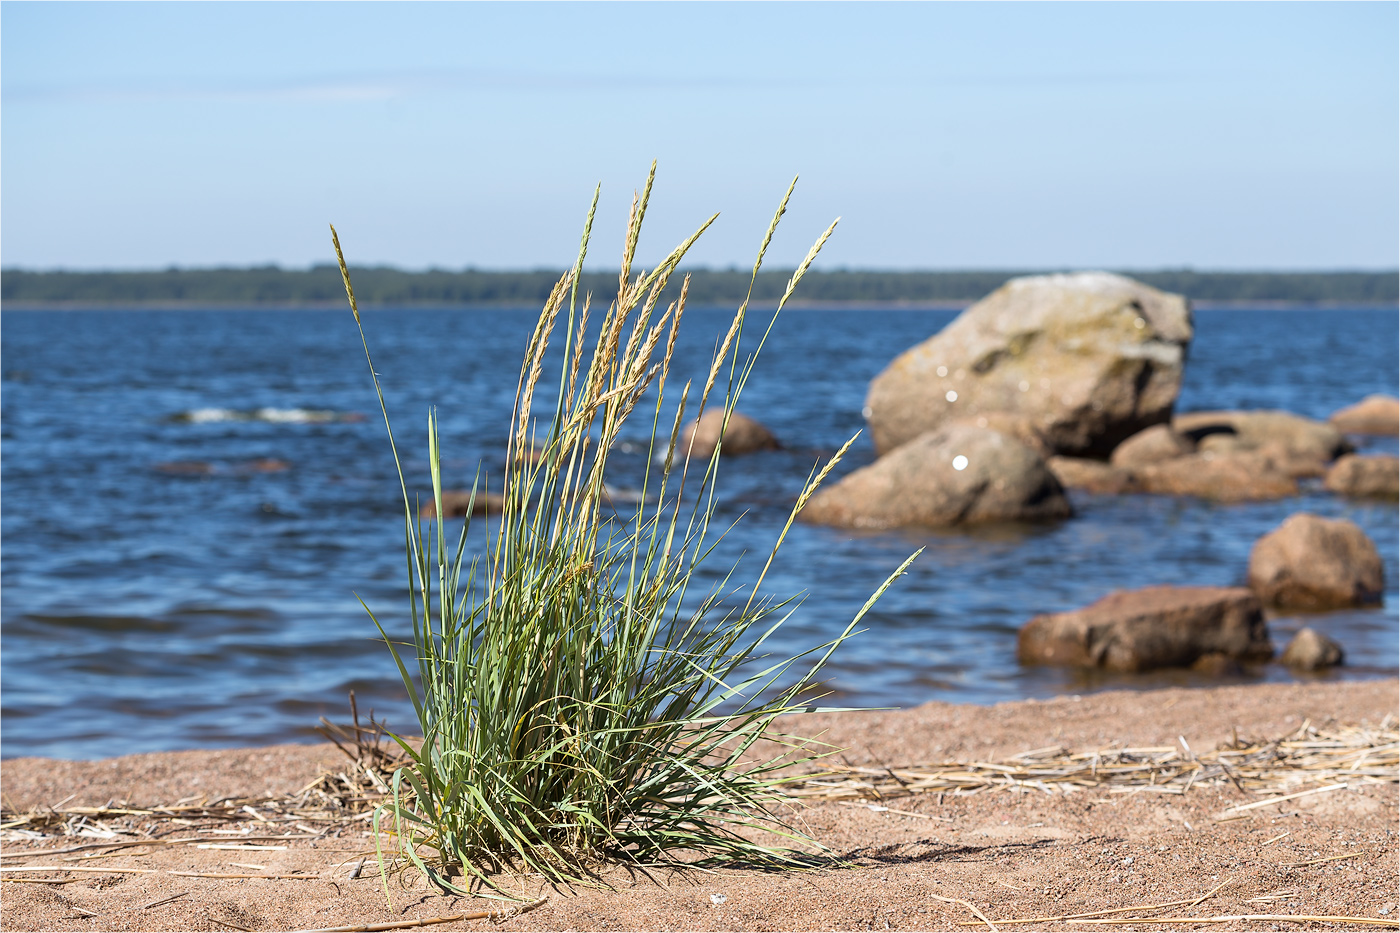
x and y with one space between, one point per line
1092 358
1292 462
1216 664
1311 651
1020 427
1222 444
456 502
1365 477
1092 475
1375 414
1152 445
743 435
1299 446
1159 626
958 475
1241 477
1280 458
1310 562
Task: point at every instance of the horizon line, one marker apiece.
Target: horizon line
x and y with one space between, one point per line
519 270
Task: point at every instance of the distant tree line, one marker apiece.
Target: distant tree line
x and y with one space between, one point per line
383 285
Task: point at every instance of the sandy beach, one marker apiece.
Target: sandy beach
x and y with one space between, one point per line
927 861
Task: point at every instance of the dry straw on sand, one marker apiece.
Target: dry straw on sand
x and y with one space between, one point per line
1336 757
1307 761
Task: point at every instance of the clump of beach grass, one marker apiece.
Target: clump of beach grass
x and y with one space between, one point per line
579 702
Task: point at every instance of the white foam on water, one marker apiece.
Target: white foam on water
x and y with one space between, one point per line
208 415
293 415
270 415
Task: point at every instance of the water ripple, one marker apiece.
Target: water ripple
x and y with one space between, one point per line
191 581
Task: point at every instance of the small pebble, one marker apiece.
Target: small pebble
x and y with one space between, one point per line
1128 860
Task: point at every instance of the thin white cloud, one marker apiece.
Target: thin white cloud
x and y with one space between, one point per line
343 88
114 92
369 88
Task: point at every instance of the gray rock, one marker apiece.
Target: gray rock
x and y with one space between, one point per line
1365 477
1092 358
1310 562
1310 650
959 475
1375 414
1158 626
743 435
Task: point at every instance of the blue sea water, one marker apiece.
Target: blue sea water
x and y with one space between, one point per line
189 506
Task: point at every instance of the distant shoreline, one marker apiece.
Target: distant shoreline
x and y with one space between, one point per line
383 286
794 305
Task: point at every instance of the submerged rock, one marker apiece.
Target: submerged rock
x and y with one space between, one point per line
1310 562
1365 477
1310 650
457 503
1375 414
204 468
262 465
1159 626
186 468
272 415
958 475
743 435
1090 358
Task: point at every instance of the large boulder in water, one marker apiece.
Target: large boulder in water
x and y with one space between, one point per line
1016 426
958 475
1310 562
1092 358
1159 626
1375 414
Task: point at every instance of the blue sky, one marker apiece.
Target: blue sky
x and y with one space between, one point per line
946 135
